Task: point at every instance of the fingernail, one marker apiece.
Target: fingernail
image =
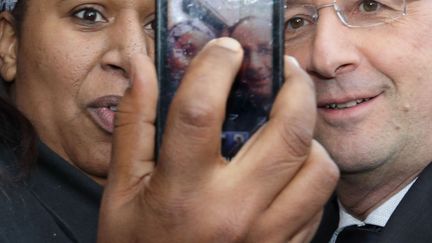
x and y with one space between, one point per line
227 43
293 61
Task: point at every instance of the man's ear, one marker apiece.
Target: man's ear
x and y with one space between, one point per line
8 46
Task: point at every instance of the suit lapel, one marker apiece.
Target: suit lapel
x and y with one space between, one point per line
329 222
412 219
410 222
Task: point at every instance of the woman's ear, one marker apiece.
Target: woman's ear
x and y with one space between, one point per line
8 46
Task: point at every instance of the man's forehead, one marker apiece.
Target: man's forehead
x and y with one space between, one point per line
298 1
316 2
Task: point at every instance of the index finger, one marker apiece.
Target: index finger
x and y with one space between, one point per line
277 151
134 132
191 142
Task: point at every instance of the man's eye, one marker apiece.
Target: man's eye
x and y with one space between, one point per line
296 23
90 15
265 50
369 6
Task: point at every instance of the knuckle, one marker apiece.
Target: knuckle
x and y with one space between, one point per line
169 210
330 172
325 165
228 233
226 225
296 137
199 115
124 118
264 232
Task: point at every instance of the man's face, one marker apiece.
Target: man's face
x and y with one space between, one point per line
73 68
373 88
254 35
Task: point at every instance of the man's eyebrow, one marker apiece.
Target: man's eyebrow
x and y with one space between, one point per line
61 1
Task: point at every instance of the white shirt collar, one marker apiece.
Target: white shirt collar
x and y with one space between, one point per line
378 216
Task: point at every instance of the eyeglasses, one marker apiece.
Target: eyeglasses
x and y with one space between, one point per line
302 18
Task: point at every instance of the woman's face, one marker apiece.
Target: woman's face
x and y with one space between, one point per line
187 46
73 68
185 41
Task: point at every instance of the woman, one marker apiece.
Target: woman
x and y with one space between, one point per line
65 67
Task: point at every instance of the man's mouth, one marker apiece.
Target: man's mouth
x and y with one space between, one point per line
349 104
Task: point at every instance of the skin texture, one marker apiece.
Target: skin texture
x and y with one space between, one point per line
271 191
280 178
381 145
254 35
65 63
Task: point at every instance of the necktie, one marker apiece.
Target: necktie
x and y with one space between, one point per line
359 234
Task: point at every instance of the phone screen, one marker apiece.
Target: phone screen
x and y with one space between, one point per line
185 26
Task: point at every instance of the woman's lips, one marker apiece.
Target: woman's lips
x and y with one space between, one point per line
102 111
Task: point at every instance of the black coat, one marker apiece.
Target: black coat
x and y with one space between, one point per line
56 203
411 222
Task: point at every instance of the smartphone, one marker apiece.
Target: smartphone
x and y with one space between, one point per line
185 26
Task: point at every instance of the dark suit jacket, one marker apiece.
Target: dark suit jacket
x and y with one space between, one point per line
411 222
56 203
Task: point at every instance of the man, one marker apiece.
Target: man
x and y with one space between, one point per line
253 91
255 36
370 61
69 87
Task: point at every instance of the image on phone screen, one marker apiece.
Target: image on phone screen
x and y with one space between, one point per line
189 24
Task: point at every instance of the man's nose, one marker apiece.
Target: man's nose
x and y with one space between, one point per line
256 61
333 47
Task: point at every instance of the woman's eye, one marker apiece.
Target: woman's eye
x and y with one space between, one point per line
151 27
90 15
369 6
189 49
296 23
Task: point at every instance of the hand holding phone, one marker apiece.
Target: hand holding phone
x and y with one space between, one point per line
272 191
185 26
